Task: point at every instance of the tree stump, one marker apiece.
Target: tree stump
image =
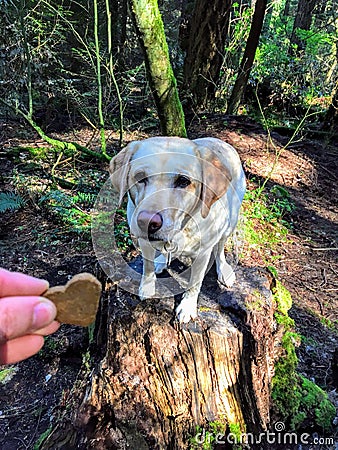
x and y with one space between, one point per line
157 381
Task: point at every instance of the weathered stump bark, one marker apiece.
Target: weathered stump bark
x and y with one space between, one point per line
158 381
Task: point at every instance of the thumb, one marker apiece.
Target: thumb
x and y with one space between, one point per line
24 315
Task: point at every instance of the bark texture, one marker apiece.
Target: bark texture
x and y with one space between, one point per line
206 34
156 381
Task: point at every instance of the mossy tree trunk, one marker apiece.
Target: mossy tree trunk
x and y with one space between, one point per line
149 27
56 143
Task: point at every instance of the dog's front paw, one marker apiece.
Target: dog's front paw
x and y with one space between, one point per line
147 287
186 310
227 276
160 264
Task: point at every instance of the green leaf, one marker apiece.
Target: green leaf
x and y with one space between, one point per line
10 201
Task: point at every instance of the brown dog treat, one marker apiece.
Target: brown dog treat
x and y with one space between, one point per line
77 301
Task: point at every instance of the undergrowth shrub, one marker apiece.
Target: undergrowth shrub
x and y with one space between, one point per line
73 209
10 201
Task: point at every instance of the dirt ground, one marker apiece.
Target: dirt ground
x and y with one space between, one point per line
32 241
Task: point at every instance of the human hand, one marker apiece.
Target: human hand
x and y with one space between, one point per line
25 316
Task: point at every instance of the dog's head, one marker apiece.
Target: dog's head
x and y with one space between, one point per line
168 180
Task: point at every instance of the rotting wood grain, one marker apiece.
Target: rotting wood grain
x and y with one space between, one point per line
163 380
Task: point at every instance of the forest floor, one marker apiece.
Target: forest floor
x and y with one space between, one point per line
35 241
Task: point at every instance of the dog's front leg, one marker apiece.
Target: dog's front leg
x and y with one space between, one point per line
187 309
147 285
161 263
225 274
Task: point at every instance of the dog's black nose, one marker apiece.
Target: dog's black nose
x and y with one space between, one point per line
149 222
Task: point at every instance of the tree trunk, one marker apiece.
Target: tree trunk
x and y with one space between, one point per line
149 28
248 57
302 21
205 48
156 383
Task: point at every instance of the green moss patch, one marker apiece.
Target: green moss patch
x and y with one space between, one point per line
282 297
299 400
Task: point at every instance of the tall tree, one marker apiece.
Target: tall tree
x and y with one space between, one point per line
207 31
302 21
149 28
248 56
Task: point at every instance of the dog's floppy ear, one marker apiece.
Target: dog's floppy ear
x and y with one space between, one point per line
216 179
119 169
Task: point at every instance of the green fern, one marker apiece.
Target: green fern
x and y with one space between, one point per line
71 208
10 201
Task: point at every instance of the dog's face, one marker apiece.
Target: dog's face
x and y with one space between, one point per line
168 181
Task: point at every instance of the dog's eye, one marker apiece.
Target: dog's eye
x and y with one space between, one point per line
141 178
182 182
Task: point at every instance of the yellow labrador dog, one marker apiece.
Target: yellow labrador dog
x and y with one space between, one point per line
183 201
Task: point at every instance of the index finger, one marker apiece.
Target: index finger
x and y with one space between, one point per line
15 283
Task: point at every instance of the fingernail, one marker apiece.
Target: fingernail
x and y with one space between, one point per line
44 314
